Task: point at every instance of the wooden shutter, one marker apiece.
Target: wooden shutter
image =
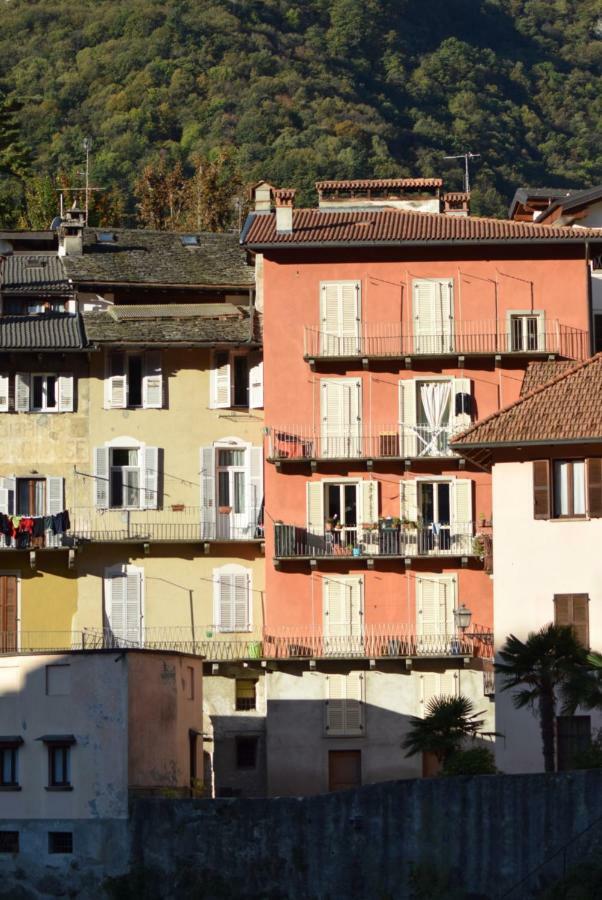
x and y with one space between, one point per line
208 517
425 316
254 457
462 513
22 392
339 316
407 417
342 606
445 315
65 393
232 601
149 477
255 382
573 609
369 501
345 705
594 488
4 392
341 417
152 382
101 477
55 497
315 507
8 613
542 506
116 382
435 602
460 421
220 378
8 490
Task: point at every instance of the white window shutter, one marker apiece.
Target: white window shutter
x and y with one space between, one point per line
123 601
254 457
408 492
445 314
407 417
329 311
354 703
345 705
115 601
149 477
220 381
152 382
427 606
335 705
336 609
22 392
4 387
225 620
349 316
461 421
430 684
315 507
256 382
101 477
65 392
116 382
369 500
448 683
133 604
425 316
232 601
55 496
8 489
208 516
241 598
462 490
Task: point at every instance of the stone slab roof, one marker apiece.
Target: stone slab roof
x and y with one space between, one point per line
542 371
565 409
34 273
323 228
150 325
51 331
132 256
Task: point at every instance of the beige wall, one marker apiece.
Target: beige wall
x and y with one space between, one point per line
533 560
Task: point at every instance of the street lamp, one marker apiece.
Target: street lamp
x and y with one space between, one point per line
462 617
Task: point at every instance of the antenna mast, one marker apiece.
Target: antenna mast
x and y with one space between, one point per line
467 157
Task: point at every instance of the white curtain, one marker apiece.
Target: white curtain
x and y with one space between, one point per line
435 398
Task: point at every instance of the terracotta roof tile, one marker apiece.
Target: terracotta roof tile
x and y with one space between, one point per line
540 372
566 408
376 183
315 227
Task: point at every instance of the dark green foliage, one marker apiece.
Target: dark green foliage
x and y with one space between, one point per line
592 757
472 761
448 723
297 90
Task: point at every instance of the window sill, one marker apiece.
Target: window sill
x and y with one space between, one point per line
569 519
59 788
10 787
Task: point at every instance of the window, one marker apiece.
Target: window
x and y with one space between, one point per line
189 240
436 684
341 415
338 510
105 237
246 752
9 841
344 705
134 380
31 497
124 603
43 392
236 380
567 488
231 481
246 694
9 761
232 598
340 311
433 315
60 842
441 510
232 491
573 736
597 333
573 609
526 332
59 761
127 477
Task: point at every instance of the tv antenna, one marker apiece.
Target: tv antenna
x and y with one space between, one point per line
467 157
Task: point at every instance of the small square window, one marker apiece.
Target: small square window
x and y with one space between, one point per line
60 842
246 752
246 693
9 841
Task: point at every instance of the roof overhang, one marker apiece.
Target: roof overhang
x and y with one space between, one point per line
501 242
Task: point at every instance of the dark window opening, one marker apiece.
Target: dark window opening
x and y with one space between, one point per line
9 841
241 381
573 735
246 693
9 776
60 842
59 765
31 497
134 381
569 488
597 333
246 752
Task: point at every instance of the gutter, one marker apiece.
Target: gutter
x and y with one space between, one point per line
486 445
400 244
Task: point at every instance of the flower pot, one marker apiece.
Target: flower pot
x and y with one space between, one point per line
224 509
177 507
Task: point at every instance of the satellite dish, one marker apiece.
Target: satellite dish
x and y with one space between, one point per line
56 223
6 249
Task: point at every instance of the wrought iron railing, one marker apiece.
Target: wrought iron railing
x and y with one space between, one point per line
175 523
292 542
387 339
302 442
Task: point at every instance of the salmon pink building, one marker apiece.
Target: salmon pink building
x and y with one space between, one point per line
393 320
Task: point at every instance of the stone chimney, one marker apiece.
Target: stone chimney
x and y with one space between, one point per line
285 201
456 203
262 192
71 233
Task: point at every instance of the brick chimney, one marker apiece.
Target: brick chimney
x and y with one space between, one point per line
456 203
71 233
285 201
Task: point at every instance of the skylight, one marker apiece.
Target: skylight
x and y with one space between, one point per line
189 240
105 237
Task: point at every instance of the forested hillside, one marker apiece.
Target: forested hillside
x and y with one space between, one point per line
297 90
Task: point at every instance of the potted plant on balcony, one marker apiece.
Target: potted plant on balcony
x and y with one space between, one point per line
389 535
177 507
224 510
329 523
370 537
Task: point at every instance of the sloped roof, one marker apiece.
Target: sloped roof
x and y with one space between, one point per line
567 408
540 372
523 194
134 256
379 184
34 273
572 201
319 227
152 325
51 331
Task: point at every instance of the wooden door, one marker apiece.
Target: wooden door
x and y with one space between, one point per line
344 769
8 613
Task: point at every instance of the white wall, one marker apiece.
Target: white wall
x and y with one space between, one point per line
532 561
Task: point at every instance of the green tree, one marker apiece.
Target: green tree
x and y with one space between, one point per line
449 722
214 192
41 202
14 155
539 671
163 197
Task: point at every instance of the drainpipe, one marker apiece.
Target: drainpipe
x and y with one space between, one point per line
590 302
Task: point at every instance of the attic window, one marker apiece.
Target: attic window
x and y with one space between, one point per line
189 240
105 237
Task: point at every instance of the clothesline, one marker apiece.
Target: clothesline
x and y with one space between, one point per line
25 530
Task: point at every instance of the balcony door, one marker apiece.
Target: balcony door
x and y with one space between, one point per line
8 613
434 508
433 316
526 332
343 615
232 513
435 603
340 318
340 411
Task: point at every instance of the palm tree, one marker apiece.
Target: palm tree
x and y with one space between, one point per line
448 722
549 663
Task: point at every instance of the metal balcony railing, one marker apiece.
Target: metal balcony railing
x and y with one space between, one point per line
479 337
176 523
286 643
292 542
301 442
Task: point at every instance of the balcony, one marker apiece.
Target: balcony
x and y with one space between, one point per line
299 443
358 545
469 338
176 524
387 641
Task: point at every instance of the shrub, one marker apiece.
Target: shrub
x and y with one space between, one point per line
474 761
